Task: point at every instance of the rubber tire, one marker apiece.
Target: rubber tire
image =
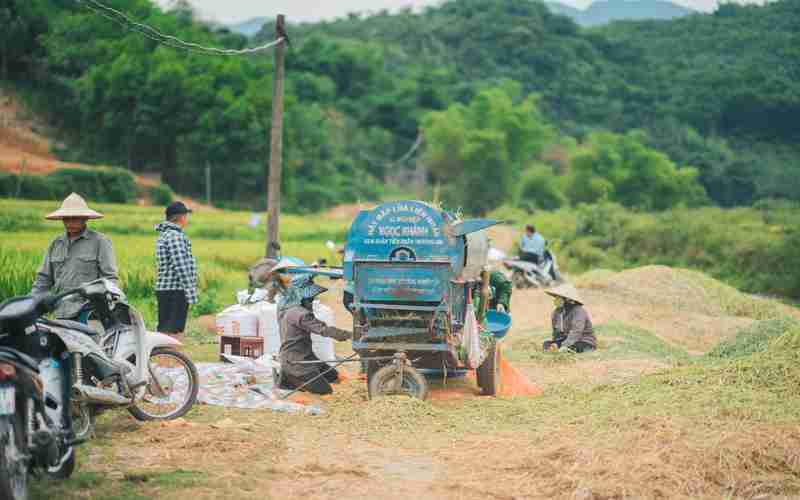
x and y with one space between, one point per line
92 424
488 373
6 490
66 469
419 386
195 381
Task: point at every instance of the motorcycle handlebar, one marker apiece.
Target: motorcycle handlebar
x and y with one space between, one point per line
52 301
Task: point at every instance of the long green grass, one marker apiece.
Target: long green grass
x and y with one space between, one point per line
754 248
223 242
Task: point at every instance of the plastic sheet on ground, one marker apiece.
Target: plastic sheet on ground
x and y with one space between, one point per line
245 383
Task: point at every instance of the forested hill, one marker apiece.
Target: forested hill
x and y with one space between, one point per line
606 11
717 93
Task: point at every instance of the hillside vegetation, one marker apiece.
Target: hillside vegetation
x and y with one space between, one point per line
754 249
360 89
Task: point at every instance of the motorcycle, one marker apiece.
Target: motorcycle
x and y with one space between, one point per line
526 274
117 363
35 423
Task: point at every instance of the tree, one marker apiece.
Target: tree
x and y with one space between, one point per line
477 152
622 169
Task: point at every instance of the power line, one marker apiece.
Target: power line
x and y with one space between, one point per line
169 40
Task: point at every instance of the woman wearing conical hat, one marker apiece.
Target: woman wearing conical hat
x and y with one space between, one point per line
572 327
76 257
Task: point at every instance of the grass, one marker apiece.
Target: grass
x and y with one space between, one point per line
750 248
753 339
720 425
223 243
617 341
712 427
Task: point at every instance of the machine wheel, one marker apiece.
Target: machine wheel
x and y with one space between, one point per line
382 383
488 373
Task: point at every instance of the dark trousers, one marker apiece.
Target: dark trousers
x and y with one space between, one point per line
322 385
173 309
577 346
530 257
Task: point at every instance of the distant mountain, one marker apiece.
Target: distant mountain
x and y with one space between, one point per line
606 11
564 10
249 27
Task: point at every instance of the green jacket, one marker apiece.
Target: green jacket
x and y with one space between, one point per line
500 289
69 264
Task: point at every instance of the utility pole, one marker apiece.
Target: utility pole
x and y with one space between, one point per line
276 143
208 183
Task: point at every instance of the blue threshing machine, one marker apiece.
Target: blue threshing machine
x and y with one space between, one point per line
412 268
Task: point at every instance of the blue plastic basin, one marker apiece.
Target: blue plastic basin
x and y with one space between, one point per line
498 323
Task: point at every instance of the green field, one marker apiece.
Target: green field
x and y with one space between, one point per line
223 243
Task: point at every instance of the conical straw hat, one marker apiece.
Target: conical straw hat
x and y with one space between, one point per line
74 206
566 291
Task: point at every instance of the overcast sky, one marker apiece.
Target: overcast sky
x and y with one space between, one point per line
228 11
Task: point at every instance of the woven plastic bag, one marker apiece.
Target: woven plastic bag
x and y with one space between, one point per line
472 338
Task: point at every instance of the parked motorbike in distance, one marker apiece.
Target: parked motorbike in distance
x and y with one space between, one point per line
35 426
526 274
117 363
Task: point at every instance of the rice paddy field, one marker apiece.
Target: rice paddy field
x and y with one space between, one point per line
224 244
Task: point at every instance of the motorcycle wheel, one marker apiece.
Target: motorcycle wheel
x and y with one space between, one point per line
83 421
142 408
13 469
65 468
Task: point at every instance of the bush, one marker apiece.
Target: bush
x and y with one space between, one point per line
111 185
114 185
161 195
540 188
29 187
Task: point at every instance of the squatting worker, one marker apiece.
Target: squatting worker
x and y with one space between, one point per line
176 282
572 327
296 322
532 245
78 256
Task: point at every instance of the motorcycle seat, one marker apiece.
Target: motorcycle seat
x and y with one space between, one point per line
72 325
14 355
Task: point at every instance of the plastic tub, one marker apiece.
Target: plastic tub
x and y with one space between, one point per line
498 323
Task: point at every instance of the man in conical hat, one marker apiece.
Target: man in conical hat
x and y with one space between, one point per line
572 327
76 257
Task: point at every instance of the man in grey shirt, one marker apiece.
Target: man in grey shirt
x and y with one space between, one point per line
78 256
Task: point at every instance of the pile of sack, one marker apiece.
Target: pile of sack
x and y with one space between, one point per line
254 316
